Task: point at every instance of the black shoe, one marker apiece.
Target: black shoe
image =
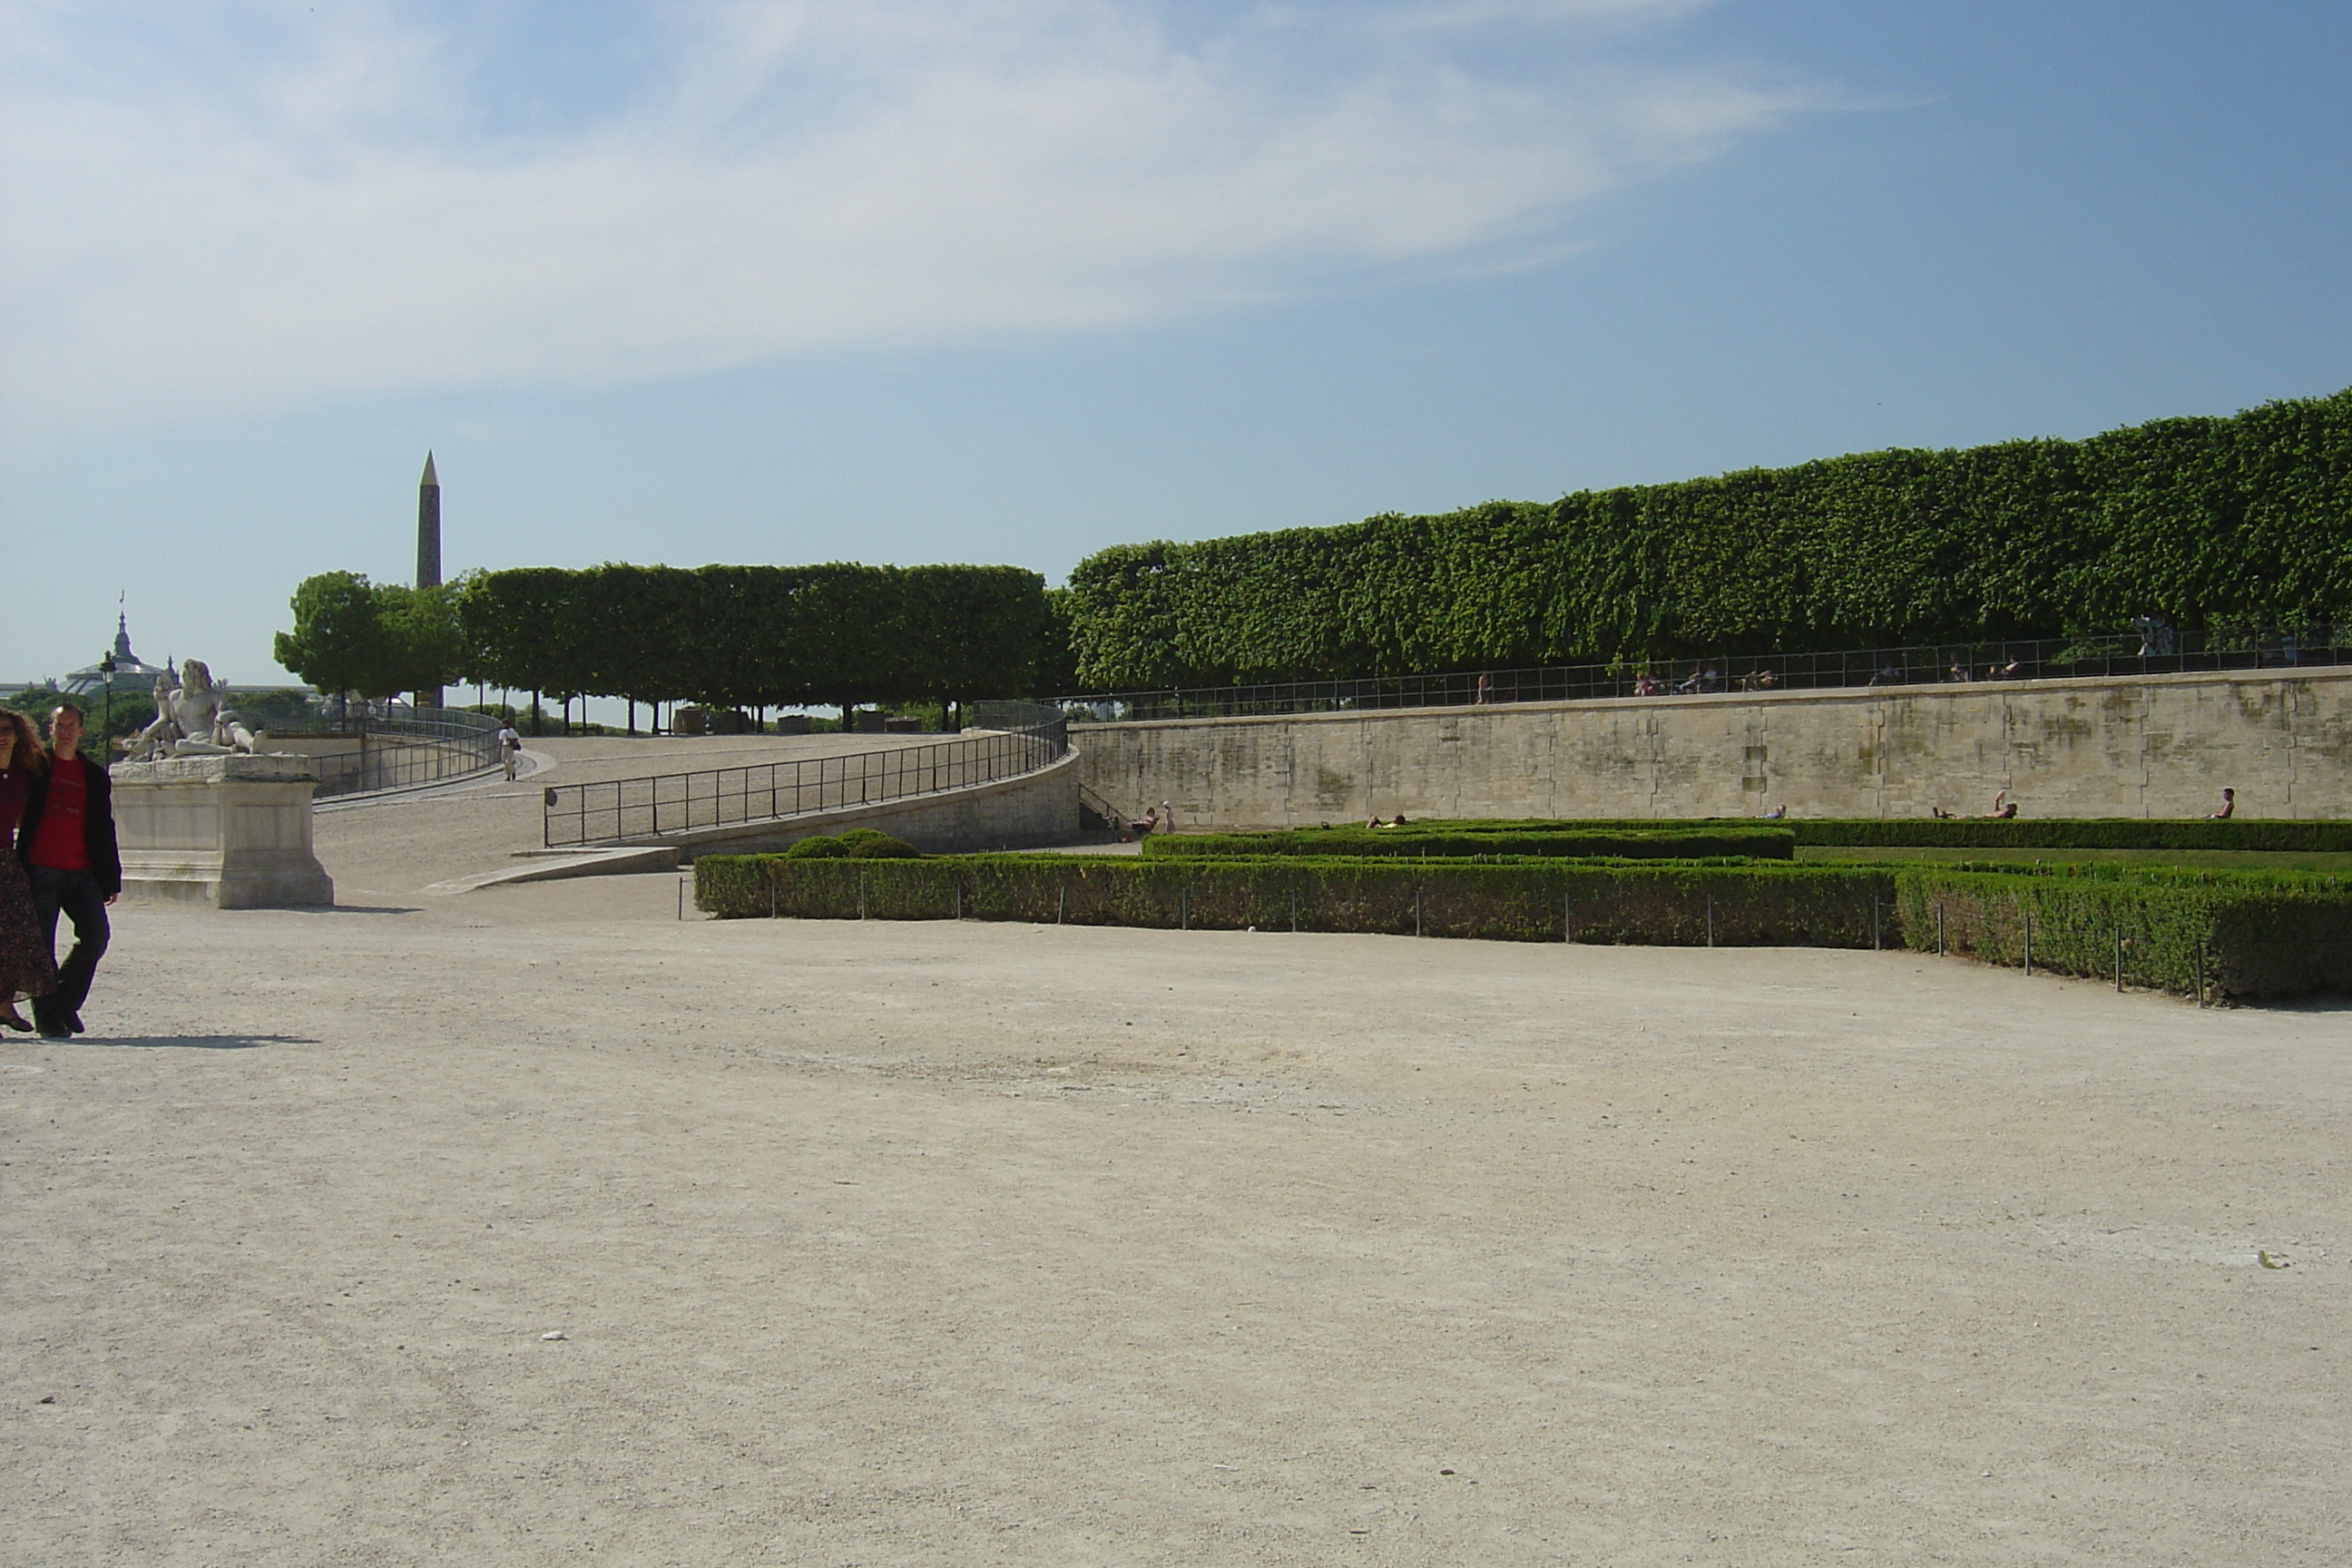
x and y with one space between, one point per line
73 1024
16 1021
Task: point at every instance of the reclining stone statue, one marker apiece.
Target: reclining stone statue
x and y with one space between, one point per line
192 720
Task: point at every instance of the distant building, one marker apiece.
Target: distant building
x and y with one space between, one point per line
130 672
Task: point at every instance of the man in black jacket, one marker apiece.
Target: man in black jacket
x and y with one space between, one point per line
66 844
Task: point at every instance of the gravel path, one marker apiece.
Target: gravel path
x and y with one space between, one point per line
950 1243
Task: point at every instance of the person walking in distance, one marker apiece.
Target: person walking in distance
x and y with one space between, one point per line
66 842
27 969
509 745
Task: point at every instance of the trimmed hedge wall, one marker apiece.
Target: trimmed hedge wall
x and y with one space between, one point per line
1664 843
2263 934
1969 833
1523 900
2211 523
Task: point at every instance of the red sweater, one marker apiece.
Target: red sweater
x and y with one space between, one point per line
61 841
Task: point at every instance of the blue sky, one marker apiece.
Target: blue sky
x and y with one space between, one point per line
1009 281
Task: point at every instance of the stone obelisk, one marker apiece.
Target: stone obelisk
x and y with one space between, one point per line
428 549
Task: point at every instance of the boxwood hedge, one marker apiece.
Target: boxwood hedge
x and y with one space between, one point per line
1535 899
2259 934
1666 843
2247 934
1964 833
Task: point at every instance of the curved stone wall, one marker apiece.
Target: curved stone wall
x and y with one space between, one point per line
1026 811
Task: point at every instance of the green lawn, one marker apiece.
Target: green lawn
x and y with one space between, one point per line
2208 859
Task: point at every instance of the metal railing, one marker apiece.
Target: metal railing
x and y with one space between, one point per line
2157 652
401 750
1025 736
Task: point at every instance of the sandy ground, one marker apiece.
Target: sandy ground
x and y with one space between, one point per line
882 1244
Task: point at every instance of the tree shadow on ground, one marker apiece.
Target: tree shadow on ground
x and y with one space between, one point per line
195 1042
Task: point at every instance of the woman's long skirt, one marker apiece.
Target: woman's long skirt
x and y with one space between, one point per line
27 967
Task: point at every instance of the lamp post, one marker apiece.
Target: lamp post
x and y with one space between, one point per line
106 667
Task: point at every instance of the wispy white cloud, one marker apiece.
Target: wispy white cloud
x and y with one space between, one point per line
262 204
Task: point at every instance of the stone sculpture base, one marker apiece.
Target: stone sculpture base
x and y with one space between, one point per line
233 832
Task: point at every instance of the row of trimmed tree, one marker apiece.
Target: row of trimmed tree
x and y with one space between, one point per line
840 635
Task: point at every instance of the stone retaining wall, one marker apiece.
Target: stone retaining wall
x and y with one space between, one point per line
1028 812
2123 746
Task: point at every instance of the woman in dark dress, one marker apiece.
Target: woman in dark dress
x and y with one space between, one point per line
27 968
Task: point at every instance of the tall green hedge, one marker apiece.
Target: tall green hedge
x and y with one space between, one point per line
1667 843
2211 523
753 637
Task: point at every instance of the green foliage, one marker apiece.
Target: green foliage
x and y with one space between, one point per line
1962 833
102 724
2209 522
2262 934
1650 843
423 639
374 638
759 636
851 844
289 707
340 642
1525 900
873 844
2093 833
2258 934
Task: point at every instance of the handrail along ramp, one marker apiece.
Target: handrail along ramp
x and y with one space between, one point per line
1024 737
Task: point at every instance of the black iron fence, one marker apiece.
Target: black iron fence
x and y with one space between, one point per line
1021 738
363 749
2154 650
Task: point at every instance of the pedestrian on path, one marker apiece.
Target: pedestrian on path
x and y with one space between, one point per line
509 746
66 842
27 967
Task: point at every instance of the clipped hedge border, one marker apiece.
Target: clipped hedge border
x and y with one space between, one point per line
2251 934
1967 833
1525 900
2258 934
1655 844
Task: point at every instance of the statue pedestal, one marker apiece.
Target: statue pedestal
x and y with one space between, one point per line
233 832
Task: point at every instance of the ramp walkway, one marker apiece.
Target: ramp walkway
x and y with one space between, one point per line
1014 740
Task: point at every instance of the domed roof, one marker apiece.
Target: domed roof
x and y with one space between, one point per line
129 670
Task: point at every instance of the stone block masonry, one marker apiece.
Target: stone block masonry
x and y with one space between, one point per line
2139 746
229 831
